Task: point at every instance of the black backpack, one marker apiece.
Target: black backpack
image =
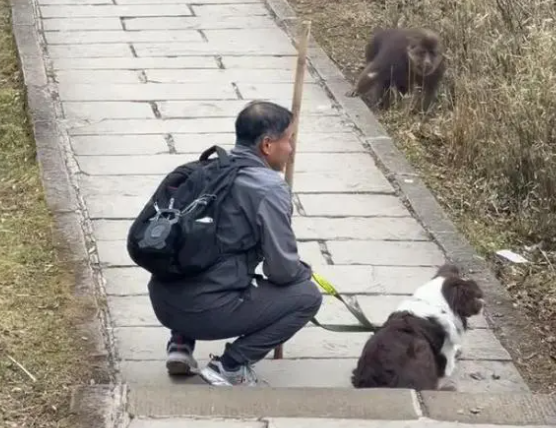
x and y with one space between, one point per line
176 233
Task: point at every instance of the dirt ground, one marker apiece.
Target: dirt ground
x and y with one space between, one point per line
487 151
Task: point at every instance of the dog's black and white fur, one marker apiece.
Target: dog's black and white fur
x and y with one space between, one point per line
418 344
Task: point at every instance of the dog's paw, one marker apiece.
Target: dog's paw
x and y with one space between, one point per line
351 94
448 385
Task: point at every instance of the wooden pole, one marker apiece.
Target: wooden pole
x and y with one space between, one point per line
303 40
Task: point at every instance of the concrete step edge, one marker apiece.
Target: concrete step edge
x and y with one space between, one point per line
106 406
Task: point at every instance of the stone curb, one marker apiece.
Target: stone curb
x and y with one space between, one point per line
72 227
336 403
509 326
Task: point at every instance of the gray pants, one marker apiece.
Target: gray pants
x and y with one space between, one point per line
262 318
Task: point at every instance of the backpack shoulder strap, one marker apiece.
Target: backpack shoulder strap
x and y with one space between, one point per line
223 157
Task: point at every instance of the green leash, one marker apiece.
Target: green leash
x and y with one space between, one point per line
350 303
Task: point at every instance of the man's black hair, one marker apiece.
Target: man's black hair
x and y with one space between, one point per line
259 119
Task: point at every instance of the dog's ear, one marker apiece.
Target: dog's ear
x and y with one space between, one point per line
463 296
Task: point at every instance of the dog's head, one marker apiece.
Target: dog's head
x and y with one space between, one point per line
464 297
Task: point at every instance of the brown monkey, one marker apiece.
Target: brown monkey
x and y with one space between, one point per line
403 58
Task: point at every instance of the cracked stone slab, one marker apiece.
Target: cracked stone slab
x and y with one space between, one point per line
260 62
99 77
149 343
101 110
149 92
222 10
311 91
484 407
291 402
470 375
114 253
142 185
112 10
94 145
344 205
71 24
349 279
269 75
197 2
199 23
195 423
112 50
142 92
103 63
136 311
73 2
386 253
121 36
305 229
231 108
350 423
314 142
337 163
211 48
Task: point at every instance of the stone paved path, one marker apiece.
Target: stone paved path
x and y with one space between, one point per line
148 84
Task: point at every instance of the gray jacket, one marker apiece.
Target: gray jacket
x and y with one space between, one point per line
256 223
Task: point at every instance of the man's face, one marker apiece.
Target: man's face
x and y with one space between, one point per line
277 152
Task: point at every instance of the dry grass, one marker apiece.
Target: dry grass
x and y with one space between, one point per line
488 152
38 311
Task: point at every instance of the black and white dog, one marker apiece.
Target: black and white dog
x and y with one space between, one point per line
418 344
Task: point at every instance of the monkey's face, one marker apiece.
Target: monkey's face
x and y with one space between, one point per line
424 57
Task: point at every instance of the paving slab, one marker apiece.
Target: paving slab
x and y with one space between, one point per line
103 63
121 36
99 77
314 142
80 24
403 253
348 279
212 48
160 165
483 407
199 23
195 423
269 75
260 62
113 50
470 375
231 108
114 253
247 9
196 2
305 182
143 92
73 2
93 145
313 229
94 111
275 402
149 343
113 10
343 205
135 311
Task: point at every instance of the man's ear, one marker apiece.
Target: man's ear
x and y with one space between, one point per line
265 146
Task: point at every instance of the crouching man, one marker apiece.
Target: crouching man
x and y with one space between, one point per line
227 301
